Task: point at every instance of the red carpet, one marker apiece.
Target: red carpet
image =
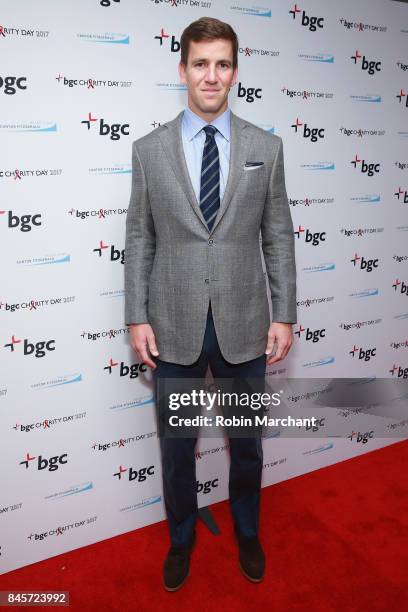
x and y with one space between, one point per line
335 539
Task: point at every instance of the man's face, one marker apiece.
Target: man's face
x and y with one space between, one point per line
209 75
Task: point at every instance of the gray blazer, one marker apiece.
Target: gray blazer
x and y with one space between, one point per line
174 265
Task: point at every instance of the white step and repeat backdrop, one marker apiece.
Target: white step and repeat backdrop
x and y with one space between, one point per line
79 81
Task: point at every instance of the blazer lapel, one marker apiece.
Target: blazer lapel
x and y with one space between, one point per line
173 145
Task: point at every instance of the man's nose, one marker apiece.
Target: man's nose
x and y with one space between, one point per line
211 74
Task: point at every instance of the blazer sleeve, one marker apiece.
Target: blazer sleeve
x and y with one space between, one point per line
278 244
140 245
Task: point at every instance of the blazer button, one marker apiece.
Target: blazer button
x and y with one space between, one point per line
210 241
207 280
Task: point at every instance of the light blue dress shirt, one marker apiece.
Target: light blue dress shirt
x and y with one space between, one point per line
193 143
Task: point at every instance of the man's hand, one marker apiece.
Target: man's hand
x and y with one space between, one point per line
281 334
142 339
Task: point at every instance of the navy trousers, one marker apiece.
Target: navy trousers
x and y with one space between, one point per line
178 454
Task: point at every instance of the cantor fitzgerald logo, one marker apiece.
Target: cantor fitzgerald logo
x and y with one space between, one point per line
40 463
366 65
131 474
133 370
106 37
37 349
307 21
113 130
402 98
110 252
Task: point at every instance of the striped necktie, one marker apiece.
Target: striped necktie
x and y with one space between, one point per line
210 178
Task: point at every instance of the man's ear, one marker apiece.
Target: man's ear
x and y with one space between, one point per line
182 72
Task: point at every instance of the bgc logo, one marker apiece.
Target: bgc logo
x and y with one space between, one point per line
174 44
139 475
10 84
114 130
361 437
402 96
401 193
52 464
132 370
249 93
364 354
403 287
364 264
313 238
366 168
38 349
206 487
313 335
319 424
311 23
399 371
313 133
114 254
24 222
371 67
107 2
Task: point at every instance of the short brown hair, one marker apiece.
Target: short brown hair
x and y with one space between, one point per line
208 28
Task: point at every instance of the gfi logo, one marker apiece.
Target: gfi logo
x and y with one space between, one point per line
371 67
132 370
23 222
174 44
311 23
7 84
313 133
361 437
313 238
250 92
37 349
114 130
205 487
51 464
403 193
364 264
366 168
139 475
114 254
313 335
364 354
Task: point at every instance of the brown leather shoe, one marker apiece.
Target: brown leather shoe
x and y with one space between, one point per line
176 566
251 558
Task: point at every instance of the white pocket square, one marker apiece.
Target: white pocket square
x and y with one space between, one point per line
253 165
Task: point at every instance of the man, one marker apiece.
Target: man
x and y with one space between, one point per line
204 186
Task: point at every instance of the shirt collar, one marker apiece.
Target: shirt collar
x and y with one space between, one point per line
192 123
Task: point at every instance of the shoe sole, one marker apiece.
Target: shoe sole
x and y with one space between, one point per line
172 589
251 578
